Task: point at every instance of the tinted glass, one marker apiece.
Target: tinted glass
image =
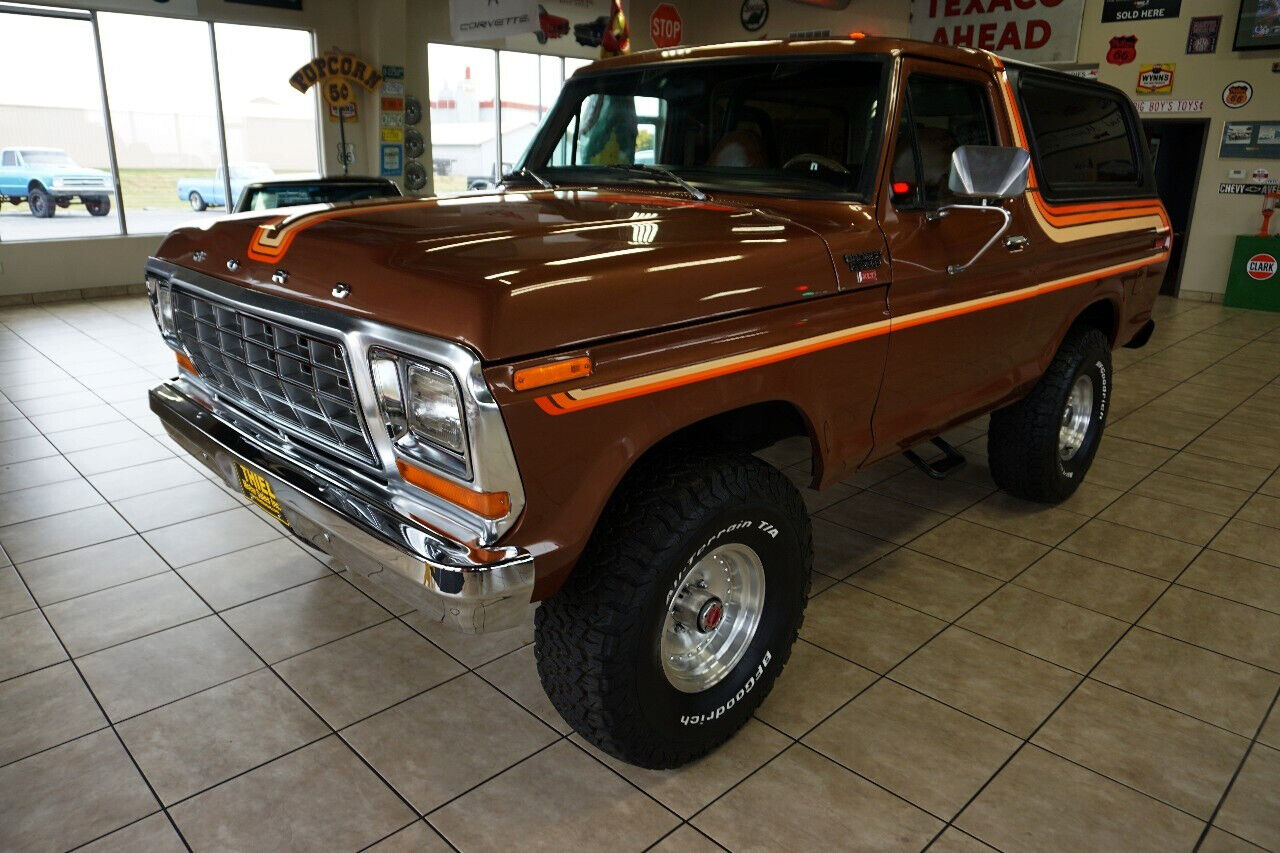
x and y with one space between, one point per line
763 126
944 114
1081 139
269 197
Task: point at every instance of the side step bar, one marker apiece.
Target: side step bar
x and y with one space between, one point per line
951 460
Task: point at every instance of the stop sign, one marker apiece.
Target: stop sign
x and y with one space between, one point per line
665 26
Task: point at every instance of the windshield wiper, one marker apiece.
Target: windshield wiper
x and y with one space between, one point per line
665 173
526 172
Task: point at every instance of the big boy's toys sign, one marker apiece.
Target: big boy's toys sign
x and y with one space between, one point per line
1031 30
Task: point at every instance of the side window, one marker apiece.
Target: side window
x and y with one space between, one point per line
943 115
10 159
1082 139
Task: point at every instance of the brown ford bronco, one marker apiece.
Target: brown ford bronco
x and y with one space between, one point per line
551 393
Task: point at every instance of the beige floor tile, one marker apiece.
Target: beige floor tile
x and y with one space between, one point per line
417 837
387 599
121 613
1115 474
359 675
560 799
1257 542
686 839
1042 802
687 790
178 503
37 472
145 479
802 801
1038 522
43 709
1128 548
206 738
252 573
85 570
14 597
152 834
69 795
993 682
1235 578
100 460
27 643
25 449
320 797
212 536
1133 452
50 499
1270 733
1046 627
1272 485
948 496
1219 471
91 437
411 745
955 841
144 673
516 674
1179 522
978 547
1237 630
883 517
1232 450
303 617
1250 810
926 752
1162 427
1090 498
1217 841
839 552
865 628
66 531
1167 755
1261 509
812 685
472 650
1196 494
815 499
925 583
1108 589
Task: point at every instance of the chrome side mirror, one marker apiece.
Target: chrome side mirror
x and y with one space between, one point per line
986 173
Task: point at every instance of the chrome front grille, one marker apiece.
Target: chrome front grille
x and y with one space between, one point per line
298 382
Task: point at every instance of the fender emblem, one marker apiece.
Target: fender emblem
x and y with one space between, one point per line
198 255
232 264
280 276
862 261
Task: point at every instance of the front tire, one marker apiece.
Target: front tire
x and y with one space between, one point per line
1041 447
41 204
98 205
197 201
682 610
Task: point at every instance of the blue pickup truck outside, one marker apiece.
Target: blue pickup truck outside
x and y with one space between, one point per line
47 179
201 193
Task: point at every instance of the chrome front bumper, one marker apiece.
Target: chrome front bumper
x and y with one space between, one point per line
441 577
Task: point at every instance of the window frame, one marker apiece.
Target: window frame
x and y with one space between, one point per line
1143 187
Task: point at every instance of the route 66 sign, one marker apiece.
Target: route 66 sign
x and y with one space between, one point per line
1122 50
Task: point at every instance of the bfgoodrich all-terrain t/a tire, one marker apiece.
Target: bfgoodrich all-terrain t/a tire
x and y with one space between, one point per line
1040 447
682 611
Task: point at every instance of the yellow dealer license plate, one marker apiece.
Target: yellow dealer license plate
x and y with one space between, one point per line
257 489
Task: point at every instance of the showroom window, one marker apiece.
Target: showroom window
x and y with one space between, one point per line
166 166
486 106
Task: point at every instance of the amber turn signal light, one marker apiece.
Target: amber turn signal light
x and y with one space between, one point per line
484 504
550 374
186 363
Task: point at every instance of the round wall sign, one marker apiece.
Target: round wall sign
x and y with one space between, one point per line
753 14
1261 267
1237 94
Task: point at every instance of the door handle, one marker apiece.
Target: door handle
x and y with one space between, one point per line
1016 243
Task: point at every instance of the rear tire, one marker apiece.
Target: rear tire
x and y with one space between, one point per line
667 551
41 204
197 201
1041 447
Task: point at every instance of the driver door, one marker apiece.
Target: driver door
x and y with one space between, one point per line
952 352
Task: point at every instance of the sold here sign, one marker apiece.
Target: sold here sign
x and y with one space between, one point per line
1030 30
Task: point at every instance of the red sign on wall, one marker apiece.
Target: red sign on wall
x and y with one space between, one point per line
665 26
1031 30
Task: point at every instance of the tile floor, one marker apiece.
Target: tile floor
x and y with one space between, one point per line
973 670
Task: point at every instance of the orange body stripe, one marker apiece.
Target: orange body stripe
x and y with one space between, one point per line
561 403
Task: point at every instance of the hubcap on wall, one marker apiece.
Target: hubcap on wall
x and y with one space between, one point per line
713 618
1076 418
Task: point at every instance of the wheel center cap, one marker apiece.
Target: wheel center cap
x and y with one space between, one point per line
710 615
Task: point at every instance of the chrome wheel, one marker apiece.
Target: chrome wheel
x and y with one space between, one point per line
712 618
1076 418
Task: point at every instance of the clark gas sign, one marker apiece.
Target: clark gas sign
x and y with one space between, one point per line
1031 30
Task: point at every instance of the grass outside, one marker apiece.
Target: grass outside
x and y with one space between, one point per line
156 188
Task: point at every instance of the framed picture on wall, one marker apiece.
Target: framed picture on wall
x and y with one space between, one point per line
1202 35
1258 25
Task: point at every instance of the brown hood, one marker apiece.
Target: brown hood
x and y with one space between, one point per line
519 273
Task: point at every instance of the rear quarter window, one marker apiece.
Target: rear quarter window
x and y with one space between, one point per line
1083 139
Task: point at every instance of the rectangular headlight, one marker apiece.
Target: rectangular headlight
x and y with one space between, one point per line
434 409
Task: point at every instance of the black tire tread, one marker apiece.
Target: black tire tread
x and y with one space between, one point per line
582 630
1018 432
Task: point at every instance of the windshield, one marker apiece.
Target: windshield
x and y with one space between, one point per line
794 126
47 158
